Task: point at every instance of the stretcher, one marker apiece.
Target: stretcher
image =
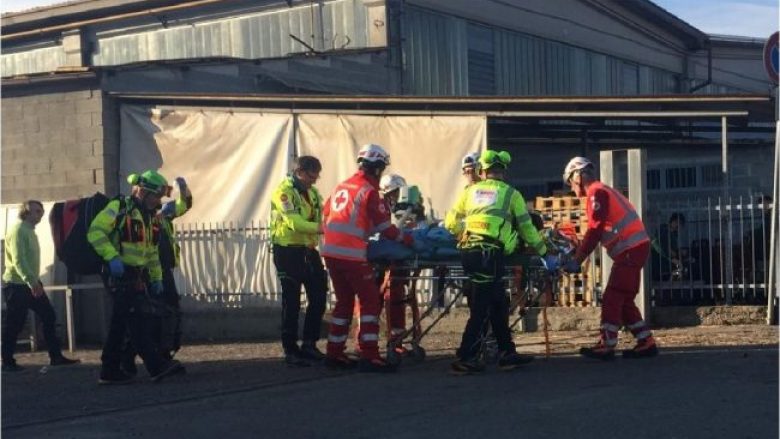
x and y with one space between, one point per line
526 281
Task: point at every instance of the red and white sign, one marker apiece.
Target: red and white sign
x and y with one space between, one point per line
772 57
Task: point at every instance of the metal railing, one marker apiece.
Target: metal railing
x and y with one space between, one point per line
718 256
710 251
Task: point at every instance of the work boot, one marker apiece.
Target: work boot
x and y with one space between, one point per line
63 361
644 348
309 351
114 377
377 365
127 365
11 366
170 368
340 362
513 360
296 359
600 352
466 367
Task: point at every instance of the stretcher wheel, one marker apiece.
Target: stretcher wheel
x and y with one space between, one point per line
393 357
418 353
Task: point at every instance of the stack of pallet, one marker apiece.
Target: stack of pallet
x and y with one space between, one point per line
573 289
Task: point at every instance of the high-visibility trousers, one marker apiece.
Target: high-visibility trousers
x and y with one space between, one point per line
618 307
353 279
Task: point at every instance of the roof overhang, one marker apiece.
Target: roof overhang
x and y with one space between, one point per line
753 107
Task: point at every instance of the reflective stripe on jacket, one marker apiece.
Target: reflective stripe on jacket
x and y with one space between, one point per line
295 220
135 240
623 229
491 212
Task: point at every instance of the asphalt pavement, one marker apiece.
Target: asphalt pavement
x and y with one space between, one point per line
728 390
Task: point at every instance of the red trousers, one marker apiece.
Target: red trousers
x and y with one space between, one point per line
618 306
395 304
353 279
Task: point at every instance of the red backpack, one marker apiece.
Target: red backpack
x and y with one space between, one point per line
70 221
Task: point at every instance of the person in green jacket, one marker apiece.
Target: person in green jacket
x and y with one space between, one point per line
487 217
169 251
126 234
23 290
296 225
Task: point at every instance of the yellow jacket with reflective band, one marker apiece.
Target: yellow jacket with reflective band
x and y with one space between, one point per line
22 255
167 225
137 237
490 213
294 220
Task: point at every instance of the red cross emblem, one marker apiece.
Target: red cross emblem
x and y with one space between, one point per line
340 200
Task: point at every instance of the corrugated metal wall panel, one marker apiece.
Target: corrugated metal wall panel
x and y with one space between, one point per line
337 24
435 54
526 65
481 60
45 59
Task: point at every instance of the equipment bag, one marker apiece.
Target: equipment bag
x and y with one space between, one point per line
70 221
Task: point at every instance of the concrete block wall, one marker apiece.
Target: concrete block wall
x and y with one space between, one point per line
53 142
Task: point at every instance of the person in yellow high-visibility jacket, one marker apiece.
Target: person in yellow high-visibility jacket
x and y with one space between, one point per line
487 217
126 235
296 226
166 337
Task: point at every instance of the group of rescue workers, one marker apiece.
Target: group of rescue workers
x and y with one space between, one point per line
489 218
134 236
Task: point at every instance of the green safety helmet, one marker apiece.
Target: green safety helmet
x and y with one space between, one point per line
490 158
151 181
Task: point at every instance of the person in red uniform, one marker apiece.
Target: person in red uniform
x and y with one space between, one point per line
613 222
352 213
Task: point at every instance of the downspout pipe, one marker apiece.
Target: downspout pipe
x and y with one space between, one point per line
709 71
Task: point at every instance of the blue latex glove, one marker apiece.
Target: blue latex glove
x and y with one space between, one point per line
572 267
116 267
169 209
551 263
156 288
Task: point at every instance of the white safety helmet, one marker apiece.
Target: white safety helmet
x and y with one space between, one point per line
373 153
470 160
574 165
391 182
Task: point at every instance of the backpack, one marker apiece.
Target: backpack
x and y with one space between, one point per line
70 221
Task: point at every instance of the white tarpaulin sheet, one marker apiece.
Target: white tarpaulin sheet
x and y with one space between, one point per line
425 150
231 160
234 160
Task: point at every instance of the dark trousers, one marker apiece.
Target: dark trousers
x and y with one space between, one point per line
129 316
170 298
298 266
19 299
488 303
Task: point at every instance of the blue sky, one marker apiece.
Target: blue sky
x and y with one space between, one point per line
754 18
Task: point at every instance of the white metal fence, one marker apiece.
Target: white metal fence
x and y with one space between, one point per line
719 255
716 253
